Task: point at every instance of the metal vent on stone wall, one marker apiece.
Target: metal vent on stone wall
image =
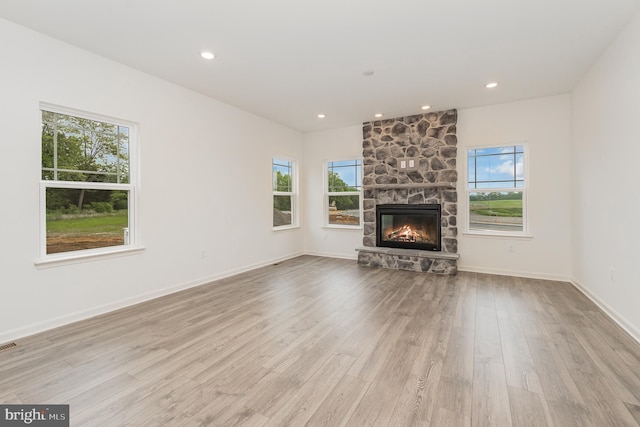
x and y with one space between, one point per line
8 346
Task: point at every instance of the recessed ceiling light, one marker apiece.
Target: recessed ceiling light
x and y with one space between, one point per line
207 55
426 107
491 85
321 116
378 115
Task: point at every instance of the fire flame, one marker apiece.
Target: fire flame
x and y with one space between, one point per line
406 234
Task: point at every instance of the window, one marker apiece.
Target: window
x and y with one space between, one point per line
86 185
284 176
496 191
342 200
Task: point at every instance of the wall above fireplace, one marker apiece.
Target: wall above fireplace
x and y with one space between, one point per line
411 160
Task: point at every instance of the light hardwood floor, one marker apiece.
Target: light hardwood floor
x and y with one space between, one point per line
317 341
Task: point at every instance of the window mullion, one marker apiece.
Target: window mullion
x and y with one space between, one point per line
515 167
55 147
117 142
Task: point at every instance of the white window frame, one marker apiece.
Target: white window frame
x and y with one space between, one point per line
133 237
295 211
328 193
524 190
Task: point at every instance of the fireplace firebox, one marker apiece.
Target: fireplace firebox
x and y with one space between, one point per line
409 226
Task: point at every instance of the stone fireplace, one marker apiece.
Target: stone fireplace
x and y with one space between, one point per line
410 161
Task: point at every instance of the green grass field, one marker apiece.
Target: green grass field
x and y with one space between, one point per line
505 208
105 223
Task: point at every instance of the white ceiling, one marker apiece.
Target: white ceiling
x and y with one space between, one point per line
289 60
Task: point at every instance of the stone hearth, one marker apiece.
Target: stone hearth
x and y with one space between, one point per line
426 145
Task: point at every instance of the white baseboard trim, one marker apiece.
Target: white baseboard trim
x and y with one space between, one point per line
332 255
629 328
57 322
525 274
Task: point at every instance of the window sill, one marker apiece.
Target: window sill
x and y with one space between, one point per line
342 227
499 235
286 227
74 258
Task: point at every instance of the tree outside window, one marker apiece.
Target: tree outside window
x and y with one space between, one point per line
343 193
86 186
284 193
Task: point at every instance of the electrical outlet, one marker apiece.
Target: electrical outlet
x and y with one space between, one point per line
403 164
203 253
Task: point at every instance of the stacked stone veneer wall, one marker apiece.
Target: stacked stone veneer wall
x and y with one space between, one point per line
431 140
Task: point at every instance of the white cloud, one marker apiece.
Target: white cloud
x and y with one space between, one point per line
520 169
506 168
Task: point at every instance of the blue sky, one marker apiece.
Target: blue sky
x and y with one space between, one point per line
349 171
503 164
282 165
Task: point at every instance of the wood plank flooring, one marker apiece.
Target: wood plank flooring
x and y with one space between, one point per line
323 342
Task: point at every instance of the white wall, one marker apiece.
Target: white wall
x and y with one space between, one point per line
338 144
606 174
205 185
544 124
